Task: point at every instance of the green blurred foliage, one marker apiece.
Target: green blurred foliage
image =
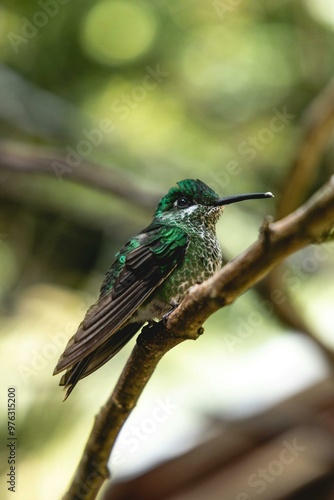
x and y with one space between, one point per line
190 88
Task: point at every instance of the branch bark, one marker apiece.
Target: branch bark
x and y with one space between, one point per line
313 222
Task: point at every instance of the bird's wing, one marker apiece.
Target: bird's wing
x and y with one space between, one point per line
88 364
138 273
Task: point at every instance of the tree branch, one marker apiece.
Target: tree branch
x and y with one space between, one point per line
311 223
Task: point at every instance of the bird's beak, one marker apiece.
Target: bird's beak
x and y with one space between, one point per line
241 197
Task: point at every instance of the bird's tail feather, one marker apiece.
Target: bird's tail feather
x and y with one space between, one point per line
97 358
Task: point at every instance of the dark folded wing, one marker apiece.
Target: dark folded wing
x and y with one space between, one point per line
139 272
98 357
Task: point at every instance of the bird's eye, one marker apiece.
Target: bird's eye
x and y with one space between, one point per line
183 202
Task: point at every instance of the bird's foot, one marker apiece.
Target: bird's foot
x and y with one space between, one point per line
173 305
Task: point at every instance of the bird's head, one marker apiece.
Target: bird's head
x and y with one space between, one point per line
193 200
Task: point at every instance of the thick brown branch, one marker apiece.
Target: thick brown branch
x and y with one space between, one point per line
311 223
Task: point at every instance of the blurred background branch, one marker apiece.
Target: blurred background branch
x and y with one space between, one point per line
317 126
21 160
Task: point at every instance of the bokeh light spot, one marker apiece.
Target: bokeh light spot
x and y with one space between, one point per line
116 32
322 11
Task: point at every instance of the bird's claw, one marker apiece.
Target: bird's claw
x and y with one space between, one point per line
174 305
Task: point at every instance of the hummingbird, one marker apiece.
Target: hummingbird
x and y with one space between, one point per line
150 276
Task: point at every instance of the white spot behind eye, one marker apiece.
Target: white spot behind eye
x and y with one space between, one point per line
185 212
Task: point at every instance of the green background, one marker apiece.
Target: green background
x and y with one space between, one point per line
155 92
